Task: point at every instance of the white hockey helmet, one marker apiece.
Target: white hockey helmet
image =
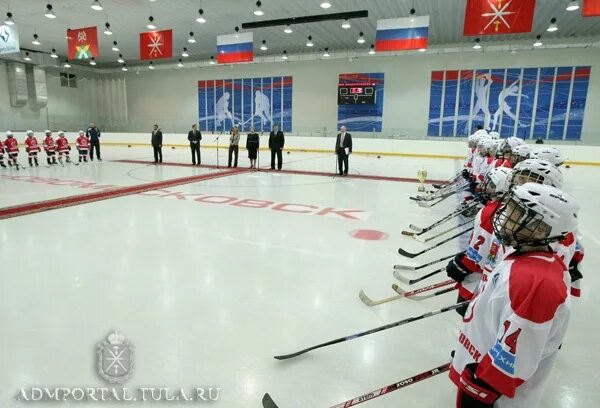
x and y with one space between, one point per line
495 135
549 153
47 132
495 182
29 133
9 133
535 214
81 133
520 153
509 144
473 140
489 145
61 133
536 171
481 132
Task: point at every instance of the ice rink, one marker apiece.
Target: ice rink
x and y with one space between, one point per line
211 275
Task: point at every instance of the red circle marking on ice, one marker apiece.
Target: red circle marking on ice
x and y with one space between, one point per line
371 235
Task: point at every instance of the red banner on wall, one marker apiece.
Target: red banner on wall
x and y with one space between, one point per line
156 45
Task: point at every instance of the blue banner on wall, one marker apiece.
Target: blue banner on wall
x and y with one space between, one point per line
530 103
248 102
362 118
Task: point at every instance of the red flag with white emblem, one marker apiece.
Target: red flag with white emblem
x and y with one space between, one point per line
156 45
492 17
82 43
591 8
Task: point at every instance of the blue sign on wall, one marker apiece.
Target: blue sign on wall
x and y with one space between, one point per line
531 103
248 102
363 118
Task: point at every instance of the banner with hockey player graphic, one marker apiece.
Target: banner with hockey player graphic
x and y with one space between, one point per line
530 103
247 102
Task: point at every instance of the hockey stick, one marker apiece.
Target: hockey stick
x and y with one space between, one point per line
417 238
398 275
267 401
429 204
456 213
452 188
369 302
375 330
413 255
415 268
398 289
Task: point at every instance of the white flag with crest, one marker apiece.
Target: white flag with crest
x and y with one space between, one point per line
9 39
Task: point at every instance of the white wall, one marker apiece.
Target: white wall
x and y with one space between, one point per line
170 97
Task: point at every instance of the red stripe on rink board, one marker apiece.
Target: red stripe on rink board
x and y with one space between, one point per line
31 208
300 172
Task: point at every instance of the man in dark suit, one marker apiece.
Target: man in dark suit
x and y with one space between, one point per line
343 149
194 136
157 144
93 135
276 143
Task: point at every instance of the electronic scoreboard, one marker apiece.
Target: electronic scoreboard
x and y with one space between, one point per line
357 93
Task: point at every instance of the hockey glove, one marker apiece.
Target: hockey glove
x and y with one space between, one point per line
473 392
466 174
574 271
456 269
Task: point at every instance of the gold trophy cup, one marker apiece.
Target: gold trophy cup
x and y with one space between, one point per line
421 176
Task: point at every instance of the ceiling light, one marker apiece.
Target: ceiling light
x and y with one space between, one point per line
124 68
120 60
191 39
151 66
66 64
284 56
9 19
115 47
477 46
422 49
326 53
288 29
180 63
185 54
212 60
150 24
237 30
264 45
538 41
361 38
92 61
27 58
573 5
53 55
258 11
201 18
36 40
97 6
49 12
309 43
346 24
107 29
372 50
325 4
412 15
552 27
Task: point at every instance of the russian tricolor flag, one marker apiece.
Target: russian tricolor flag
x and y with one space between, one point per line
400 34
235 48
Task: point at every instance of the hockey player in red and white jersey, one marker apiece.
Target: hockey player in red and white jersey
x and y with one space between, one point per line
83 144
489 146
62 147
472 144
2 154
466 268
504 158
528 171
11 147
514 326
32 148
519 153
50 148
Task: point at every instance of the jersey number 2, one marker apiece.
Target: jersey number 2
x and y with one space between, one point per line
480 240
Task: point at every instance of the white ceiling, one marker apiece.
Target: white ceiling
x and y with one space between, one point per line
129 17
